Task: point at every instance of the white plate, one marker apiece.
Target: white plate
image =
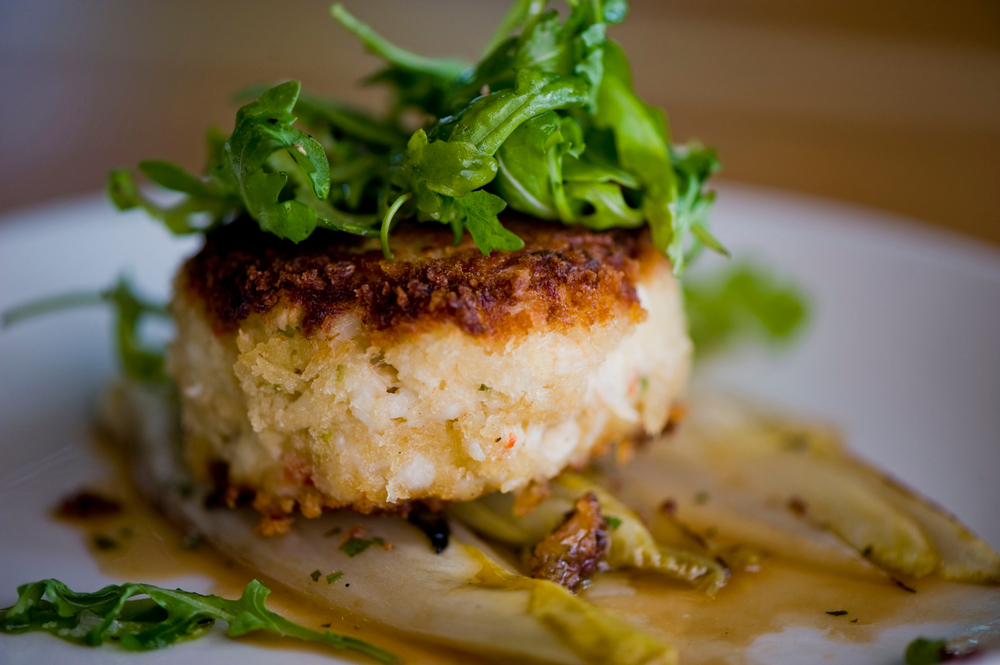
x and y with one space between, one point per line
903 352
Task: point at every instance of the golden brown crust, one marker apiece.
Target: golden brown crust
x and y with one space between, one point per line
563 277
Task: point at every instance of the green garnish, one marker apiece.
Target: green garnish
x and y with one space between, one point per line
613 522
164 617
743 302
139 360
315 575
354 545
547 123
923 651
333 577
837 613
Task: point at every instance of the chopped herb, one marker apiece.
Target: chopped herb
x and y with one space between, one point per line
354 546
104 543
643 384
701 498
165 617
837 613
867 551
332 532
483 387
333 577
315 575
923 651
613 521
340 372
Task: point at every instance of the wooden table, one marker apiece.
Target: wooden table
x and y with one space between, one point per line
894 104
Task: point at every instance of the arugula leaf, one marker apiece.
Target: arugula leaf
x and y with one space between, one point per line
490 119
205 199
263 127
743 302
523 179
609 209
166 616
339 120
139 361
460 159
640 141
478 213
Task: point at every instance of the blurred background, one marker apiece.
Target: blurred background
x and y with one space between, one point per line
889 103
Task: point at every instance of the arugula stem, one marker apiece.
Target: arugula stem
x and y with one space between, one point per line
387 223
53 304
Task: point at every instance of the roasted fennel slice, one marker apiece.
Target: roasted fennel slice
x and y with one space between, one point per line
632 546
733 468
462 597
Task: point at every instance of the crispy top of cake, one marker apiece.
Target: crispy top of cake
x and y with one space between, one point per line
564 276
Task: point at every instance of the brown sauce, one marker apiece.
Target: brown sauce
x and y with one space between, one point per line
708 631
783 594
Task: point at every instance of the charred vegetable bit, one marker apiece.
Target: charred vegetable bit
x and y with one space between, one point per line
434 524
547 123
574 549
86 504
159 619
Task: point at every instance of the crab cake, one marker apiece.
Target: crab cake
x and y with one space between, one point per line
321 375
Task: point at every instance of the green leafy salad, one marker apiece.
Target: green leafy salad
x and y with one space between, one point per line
547 124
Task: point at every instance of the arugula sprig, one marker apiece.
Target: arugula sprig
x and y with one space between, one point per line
140 360
162 618
548 123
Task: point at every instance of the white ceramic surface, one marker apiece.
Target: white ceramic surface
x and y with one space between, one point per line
903 353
